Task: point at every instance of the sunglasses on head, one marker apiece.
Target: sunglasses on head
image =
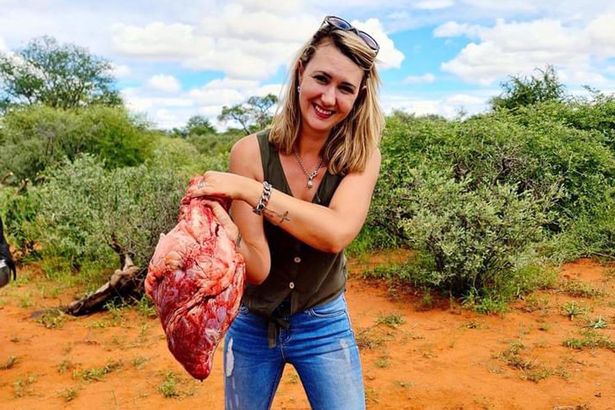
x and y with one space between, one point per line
341 24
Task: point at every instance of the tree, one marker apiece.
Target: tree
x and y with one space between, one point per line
522 91
252 115
36 137
57 75
199 125
196 125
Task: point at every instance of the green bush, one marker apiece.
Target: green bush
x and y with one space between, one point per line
86 210
18 210
590 234
579 159
211 144
407 142
182 156
36 137
595 114
475 237
533 149
481 199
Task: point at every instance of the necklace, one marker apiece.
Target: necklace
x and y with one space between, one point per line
310 175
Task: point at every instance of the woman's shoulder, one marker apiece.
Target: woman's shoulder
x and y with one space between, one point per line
245 155
247 145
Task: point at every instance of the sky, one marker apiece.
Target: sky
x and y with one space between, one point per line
177 58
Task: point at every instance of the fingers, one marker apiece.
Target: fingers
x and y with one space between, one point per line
220 213
216 184
212 183
198 189
223 218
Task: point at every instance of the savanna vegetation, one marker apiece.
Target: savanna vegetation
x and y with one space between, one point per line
487 203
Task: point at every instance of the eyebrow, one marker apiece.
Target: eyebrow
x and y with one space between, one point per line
345 83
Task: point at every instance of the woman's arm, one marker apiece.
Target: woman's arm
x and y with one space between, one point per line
245 162
329 229
332 228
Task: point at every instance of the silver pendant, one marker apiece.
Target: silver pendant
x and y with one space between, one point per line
310 184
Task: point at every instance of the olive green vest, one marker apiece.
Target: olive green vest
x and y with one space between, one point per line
307 276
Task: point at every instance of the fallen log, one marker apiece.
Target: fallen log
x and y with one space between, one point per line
123 283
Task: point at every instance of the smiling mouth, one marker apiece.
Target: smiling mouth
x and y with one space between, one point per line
321 112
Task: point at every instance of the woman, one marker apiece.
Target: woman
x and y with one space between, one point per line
301 192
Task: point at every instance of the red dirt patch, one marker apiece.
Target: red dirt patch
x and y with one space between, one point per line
443 358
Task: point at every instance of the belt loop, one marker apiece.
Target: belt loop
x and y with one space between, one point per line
272 334
273 329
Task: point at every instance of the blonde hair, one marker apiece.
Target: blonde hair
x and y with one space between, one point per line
352 141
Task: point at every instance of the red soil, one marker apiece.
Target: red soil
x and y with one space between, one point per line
445 357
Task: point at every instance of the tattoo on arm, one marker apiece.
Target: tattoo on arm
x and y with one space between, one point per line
273 215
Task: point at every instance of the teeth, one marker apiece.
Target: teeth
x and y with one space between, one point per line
320 110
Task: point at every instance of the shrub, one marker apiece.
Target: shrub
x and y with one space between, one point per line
36 137
578 159
533 149
591 233
86 210
18 210
213 143
185 158
475 237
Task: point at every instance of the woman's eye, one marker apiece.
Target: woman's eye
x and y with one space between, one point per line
321 78
346 90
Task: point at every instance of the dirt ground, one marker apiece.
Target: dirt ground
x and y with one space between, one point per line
417 353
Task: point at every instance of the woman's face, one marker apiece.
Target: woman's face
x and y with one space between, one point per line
330 85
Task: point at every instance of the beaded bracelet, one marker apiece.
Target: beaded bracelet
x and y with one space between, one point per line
264 199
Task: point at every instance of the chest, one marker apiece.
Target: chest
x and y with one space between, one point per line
297 177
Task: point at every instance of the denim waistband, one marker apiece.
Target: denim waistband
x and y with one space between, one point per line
279 319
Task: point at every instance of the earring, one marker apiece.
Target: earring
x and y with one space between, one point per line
298 89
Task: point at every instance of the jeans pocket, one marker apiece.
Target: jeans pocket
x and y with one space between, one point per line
334 308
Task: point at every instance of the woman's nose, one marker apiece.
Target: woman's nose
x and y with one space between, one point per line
328 96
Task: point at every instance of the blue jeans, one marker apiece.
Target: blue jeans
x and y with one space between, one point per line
319 343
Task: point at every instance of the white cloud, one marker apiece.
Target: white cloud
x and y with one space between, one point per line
247 40
3 46
164 83
164 112
228 91
218 98
463 100
235 21
157 40
448 106
520 47
388 56
250 40
285 7
240 43
434 4
601 32
120 70
454 29
247 50
504 5
139 99
168 119
208 100
420 79
581 77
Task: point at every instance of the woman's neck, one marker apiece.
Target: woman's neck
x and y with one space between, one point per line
310 143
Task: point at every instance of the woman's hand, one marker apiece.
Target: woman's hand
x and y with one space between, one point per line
221 185
225 220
